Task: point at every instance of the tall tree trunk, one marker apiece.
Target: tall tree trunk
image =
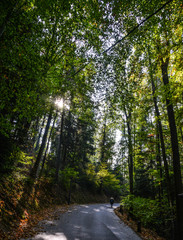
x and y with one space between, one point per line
58 163
130 150
36 129
175 151
29 184
63 164
39 136
167 175
159 165
103 144
44 158
35 168
157 114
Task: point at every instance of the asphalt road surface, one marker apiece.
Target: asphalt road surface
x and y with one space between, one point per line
83 222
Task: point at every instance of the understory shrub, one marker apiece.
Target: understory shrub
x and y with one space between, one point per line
153 214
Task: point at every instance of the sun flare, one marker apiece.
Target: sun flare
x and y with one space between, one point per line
59 102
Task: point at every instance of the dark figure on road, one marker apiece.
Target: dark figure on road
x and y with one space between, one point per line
111 201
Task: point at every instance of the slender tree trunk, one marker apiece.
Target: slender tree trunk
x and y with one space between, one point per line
58 163
44 158
130 150
35 127
64 157
167 175
103 144
29 184
175 152
40 132
159 165
157 113
35 168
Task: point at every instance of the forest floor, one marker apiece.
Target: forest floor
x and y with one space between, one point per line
50 202
30 225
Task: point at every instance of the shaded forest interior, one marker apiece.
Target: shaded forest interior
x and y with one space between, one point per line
91 106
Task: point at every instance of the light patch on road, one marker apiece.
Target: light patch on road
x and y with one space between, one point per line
103 208
85 206
96 210
56 236
77 227
84 212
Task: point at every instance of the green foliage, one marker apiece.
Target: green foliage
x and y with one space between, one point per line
143 186
108 181
91 180
9 155
101 180
46 51
13 161
23 165
68 176
152 213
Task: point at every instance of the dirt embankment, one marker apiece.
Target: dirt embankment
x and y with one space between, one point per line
46 201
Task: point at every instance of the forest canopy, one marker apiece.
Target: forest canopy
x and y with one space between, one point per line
91 98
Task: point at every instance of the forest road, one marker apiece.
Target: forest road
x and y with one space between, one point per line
83 222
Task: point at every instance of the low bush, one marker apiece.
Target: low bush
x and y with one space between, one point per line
151 213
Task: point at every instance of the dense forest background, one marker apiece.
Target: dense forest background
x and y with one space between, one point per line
91 106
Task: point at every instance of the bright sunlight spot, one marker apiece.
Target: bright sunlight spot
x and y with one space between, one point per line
59 102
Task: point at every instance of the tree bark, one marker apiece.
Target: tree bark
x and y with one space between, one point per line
64 157
175 151
39 136
35 168
29 184
130 151
44 158
167 175
159 165
103 144
35 126
58 163
160 130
